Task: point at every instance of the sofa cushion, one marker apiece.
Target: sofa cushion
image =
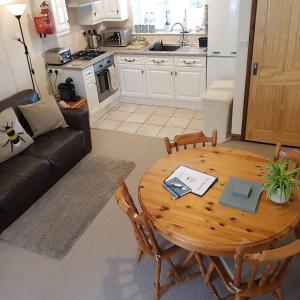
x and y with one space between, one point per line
13 138
62 147
23 179
43 116
21 98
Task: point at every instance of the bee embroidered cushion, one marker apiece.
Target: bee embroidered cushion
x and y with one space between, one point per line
43 116
13 137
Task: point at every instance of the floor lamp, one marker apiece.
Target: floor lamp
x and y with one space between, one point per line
17 10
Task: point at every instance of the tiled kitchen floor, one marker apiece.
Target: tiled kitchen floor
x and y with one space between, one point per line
155 121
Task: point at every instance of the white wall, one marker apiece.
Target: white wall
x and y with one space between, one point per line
14 73
241 65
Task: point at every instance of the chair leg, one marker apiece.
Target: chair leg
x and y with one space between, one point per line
278 294
207 275
157 279
173 270
139 255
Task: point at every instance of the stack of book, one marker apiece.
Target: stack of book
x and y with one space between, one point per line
185 180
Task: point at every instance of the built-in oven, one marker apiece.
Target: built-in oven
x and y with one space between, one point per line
105 72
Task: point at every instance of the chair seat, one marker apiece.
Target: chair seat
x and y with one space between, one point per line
228 262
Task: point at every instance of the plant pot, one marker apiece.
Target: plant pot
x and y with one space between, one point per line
279 198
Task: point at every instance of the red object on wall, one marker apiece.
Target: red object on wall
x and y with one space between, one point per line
43 23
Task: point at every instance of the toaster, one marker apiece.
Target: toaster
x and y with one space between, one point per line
57 56
117 37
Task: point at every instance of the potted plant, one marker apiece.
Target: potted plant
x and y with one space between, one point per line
281 181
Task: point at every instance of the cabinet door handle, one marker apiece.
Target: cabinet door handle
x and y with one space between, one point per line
142 71
171 73
158 61
95 14
233 52
129 60
216 52
175 73
117 11
189 62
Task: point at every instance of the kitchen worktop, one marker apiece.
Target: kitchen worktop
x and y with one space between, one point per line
190 50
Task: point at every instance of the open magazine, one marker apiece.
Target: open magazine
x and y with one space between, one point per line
197 182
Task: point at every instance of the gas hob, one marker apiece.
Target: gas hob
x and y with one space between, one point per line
87 54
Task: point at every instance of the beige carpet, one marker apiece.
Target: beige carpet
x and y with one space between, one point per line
52 225
101 265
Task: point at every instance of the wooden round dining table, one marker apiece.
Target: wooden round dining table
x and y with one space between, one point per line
202 224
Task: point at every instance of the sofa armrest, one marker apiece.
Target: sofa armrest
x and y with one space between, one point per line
78 118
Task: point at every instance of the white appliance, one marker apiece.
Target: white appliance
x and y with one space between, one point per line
223 18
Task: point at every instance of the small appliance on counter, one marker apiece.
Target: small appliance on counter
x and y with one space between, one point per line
203 42
117 37
93 39
67 91
57 56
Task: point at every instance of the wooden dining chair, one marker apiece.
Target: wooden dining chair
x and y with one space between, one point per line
190 139
293 157
147 242
253 271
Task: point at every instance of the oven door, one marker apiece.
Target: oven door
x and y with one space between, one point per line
104 84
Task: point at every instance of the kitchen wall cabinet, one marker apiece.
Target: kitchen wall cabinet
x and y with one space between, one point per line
159 81
91 14
116 10
132 80
189 83
60 17
102 10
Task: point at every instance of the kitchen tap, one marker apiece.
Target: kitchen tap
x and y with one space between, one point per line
183 43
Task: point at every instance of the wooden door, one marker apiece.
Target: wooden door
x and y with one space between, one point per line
160 82
274 99
190 83
132 80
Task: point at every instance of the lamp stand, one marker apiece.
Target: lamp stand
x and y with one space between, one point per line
31 71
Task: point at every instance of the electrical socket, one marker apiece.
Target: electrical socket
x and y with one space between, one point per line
54 70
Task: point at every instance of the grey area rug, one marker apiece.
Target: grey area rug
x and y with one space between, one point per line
53 224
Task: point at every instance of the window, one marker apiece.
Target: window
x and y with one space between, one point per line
162 12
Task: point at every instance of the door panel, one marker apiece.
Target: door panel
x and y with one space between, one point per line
190 83
274 99
132 80
160 82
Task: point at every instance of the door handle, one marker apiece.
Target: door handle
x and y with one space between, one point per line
254 69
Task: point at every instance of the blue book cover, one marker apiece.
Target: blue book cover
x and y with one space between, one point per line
178 186
231 198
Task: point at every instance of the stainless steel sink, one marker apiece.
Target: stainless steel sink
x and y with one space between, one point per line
160 47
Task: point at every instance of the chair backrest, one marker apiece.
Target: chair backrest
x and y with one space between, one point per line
268 268
291 155
190 139
142 229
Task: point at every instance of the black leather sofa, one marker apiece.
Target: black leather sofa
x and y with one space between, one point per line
27 176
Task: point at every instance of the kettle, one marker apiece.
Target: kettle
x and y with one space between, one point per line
95 40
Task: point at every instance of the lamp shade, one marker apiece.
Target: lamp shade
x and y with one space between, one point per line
16 9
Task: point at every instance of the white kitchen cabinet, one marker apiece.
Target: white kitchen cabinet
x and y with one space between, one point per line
91 94
60 17
116 10
223 17
190 83
91 14
132 80
160 81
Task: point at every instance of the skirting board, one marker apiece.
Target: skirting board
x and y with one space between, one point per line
163 102
236 137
